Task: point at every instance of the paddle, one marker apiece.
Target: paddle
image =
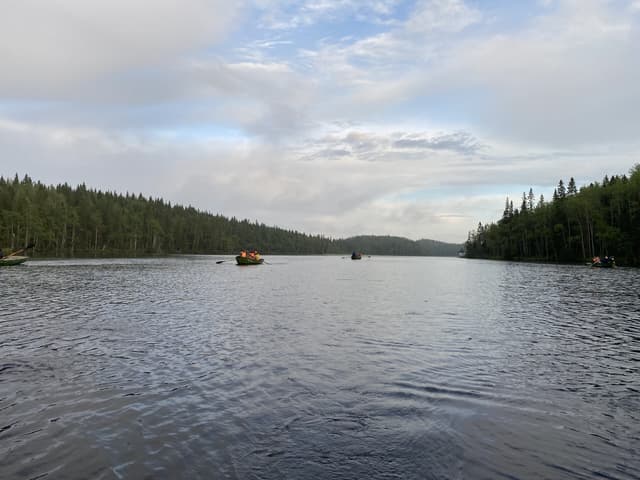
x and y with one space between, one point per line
220 261
20 250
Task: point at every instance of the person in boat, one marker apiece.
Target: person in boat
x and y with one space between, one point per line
243 253
252 254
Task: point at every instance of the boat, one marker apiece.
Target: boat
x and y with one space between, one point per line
356 256
12 260
611 264
249 258
606 262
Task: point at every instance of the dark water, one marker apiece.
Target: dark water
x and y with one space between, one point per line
318 367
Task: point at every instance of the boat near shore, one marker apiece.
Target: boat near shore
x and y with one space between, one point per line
606 262
12 260
604 265
15 258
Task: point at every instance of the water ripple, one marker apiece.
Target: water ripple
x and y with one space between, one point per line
318 368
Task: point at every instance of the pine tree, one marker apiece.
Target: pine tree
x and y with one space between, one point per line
523 207
530 199
505 214
562 192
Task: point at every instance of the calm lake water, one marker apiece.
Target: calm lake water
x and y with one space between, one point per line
318 367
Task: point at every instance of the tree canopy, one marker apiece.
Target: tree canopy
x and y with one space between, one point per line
65 222
600 219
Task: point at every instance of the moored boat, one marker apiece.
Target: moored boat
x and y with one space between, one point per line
12 260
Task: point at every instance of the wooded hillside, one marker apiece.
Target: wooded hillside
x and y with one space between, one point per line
575 226
65 222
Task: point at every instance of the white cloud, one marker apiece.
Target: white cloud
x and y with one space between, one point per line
261 98
51 47
448 16
289 15
572 78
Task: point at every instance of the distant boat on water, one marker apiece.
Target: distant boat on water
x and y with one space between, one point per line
356 256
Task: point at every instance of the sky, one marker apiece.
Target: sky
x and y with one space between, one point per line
335 117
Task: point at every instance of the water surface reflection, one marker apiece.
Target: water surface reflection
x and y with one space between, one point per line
318 367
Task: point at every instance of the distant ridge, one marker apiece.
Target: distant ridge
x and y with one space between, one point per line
390 245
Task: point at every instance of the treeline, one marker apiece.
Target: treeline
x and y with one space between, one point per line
79 222
575 226
66 222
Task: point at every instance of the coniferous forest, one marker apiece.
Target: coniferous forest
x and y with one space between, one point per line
574 226
62 221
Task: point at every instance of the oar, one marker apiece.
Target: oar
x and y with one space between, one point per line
220 261
31 245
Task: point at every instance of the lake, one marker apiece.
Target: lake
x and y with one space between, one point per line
318 367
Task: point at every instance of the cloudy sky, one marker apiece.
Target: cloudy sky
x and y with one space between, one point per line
413 118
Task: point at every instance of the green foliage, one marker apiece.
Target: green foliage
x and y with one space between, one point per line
64 222
576 226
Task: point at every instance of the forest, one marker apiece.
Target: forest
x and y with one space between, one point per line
61 221
573 227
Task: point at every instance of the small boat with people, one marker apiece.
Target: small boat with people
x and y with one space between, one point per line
606 262
14 258
249 258
356 255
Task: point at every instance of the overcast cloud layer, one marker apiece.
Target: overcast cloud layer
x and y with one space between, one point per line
412 118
